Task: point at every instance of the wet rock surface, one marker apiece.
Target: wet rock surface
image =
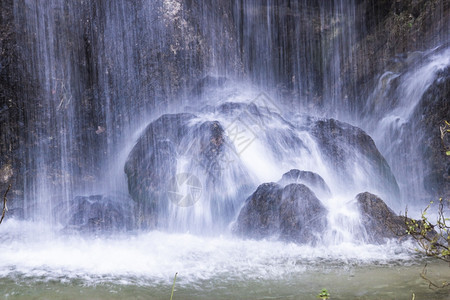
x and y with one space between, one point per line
151 167
378 220
313 180
99 214
343 145
430 116
292 213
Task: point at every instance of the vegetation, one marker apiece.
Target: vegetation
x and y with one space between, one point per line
445 131
433 239
324 294
173 285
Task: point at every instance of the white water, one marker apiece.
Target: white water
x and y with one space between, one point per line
153 258
392 126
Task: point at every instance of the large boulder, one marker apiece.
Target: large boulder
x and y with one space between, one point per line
151 165
178 146
353 155
378 220
291 213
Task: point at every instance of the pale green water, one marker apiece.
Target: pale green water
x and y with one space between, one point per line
345 282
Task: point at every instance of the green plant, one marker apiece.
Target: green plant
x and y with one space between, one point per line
445 130
433 239
324 294
173 285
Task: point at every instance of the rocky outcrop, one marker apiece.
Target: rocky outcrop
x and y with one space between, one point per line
72 77
378 220
12 114
292 213
430 115
386 32
346 147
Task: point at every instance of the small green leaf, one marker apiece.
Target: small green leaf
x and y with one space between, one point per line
447 153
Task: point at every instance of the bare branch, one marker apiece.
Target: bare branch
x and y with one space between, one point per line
431 284
5 209
433 238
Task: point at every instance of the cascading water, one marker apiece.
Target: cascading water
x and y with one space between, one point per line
238 144
394 128
158 124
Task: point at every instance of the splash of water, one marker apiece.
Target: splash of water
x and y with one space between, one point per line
153 258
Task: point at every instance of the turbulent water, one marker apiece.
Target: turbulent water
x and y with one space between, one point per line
147 262
106 75
35 263
392 126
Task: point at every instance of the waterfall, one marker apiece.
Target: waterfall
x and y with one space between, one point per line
395 127
101 73
98 71
245 145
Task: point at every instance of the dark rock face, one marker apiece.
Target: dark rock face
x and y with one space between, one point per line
430 115
12 114
314 181
98 214
142 53
67 95
259 217
151 166
292 213
208 83
386 29
379 221
342 144
303 217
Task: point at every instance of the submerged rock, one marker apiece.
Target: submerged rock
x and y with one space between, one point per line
97 214
378 220
292 213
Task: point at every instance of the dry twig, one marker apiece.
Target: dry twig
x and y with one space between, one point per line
5 209
431 284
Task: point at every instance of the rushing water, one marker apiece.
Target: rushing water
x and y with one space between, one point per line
392 125
142 266
102 71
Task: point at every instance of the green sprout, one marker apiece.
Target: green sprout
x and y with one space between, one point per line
324 294
173 286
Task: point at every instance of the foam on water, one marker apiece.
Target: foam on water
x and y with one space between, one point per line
153 258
